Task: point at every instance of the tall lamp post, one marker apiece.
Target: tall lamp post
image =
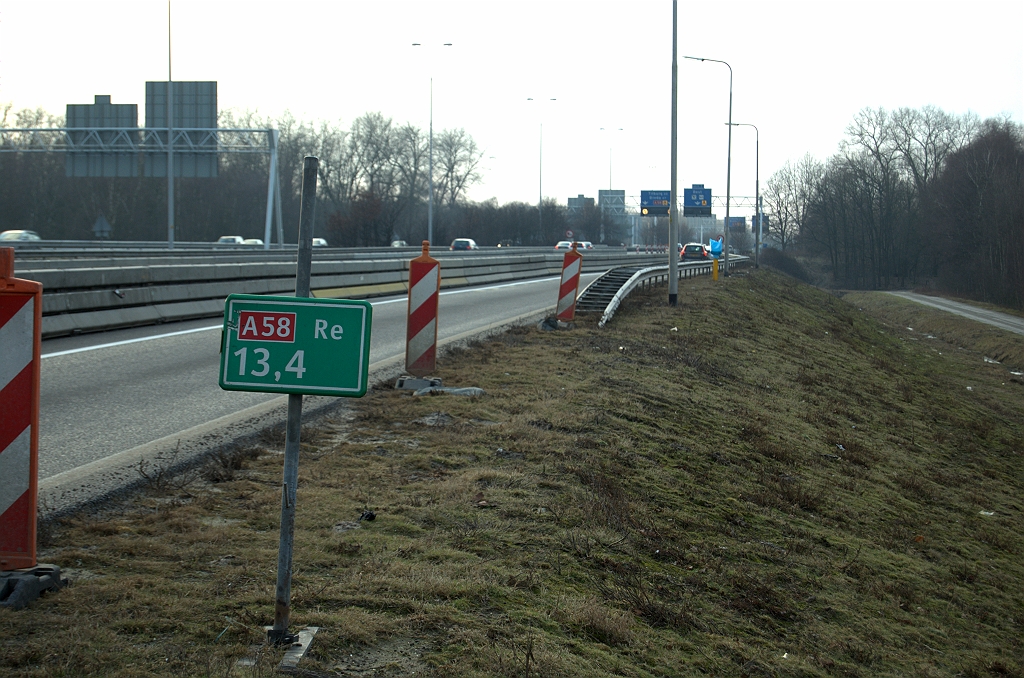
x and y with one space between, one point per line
673 210
757 189
170 137
610 129
430 156
607 129
728 164
540 181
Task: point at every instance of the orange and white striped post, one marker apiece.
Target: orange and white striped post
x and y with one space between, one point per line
21 317
421 327
570 285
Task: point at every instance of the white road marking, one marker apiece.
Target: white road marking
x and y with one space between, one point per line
129 341
219 327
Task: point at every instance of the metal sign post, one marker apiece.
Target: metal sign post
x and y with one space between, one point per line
295 345
304 265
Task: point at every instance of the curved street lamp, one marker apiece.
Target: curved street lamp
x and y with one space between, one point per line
728 165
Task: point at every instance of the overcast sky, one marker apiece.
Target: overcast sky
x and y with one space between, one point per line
801 71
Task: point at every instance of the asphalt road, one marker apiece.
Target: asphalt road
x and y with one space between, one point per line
109 400
1003 321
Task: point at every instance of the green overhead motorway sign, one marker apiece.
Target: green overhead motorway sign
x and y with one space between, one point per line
295 345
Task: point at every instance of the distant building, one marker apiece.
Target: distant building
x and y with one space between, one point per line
703 228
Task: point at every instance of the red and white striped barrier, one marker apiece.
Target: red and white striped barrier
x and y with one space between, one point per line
421 328
21 317
570 285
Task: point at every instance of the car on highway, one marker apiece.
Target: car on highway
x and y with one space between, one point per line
319 242
694 251
399 243
584 245
563 245
19 235
463 244
230 240
252 241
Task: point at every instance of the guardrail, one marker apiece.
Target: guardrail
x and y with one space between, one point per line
102 294
656 274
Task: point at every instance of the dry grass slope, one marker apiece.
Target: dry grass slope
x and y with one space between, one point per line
764 481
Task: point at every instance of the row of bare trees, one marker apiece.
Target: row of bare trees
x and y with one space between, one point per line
373 184
911 196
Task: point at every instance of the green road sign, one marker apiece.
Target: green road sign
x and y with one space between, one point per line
295 345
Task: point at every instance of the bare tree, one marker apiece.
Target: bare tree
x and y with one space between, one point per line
338 172
787 198
925 138
372 139
411 148
457 161
978 212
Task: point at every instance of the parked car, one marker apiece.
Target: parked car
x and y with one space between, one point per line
695 251
463 244
563 245
252 241
19 235
230 240
319 242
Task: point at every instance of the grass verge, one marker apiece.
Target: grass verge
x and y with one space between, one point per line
766 480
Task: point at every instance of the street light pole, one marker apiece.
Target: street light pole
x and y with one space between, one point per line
430 159
540 182
757 189
170 137
540 188
728 165
673 210
609 129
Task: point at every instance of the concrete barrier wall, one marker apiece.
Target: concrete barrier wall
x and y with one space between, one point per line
139 291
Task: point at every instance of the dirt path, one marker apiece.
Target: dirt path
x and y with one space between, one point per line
1000 320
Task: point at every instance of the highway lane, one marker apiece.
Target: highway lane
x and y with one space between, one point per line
105 394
